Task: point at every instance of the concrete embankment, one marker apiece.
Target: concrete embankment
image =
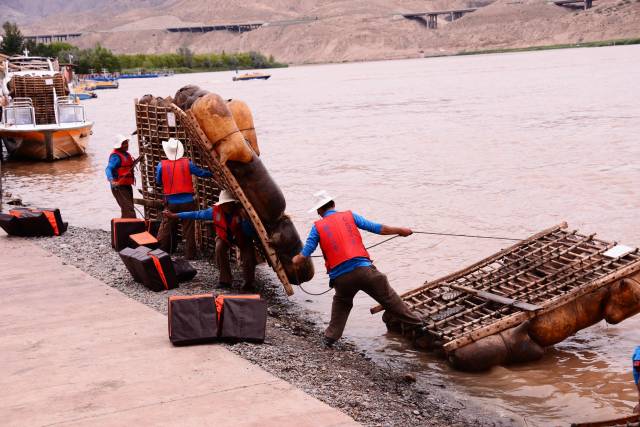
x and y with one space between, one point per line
76 352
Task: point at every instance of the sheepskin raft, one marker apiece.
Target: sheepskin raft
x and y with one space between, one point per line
159 119
508 307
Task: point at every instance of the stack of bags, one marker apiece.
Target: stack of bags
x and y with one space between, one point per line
152 267
209 318
33 222
229 127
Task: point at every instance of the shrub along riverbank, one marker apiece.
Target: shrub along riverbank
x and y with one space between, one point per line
183 61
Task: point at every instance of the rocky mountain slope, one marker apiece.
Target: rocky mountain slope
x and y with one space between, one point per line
328 30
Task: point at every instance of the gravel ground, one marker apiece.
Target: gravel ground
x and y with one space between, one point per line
343 377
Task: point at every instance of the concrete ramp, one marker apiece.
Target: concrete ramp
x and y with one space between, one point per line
74 351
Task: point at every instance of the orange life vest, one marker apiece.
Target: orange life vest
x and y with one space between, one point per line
176 177
125 172
223 229
340 239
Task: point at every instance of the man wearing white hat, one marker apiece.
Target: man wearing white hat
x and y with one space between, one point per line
231 229
349 266
120 175
174 174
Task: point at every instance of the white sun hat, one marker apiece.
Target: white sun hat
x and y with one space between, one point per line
118 140
321 199
225 197
173 149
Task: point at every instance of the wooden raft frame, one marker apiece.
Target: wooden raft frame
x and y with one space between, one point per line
225 179
153 127
549 269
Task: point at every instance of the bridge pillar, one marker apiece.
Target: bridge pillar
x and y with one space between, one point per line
588 4
432 21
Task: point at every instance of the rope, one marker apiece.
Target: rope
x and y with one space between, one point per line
226 136
368 247
468 235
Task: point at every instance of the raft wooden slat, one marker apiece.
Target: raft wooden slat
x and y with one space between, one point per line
226 179
549 269
153 127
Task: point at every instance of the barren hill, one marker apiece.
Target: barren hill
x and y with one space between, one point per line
303 31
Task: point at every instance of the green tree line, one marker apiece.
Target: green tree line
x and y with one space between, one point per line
100 58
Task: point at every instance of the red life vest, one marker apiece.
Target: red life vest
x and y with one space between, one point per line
340 239
125 171
176 177
223 229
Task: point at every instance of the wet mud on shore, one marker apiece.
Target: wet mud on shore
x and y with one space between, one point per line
344 377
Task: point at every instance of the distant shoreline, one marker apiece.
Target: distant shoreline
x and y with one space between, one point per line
600 43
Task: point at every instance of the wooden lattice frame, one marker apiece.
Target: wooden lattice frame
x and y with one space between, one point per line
226 180
153 127
548 269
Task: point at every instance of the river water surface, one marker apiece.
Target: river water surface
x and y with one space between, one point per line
502 145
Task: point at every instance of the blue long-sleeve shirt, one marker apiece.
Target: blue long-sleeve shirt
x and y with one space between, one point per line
636 372
112 166
314 239
182 197
207 214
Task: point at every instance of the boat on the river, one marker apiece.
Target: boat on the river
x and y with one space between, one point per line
107 84
139 75
41 119
251 76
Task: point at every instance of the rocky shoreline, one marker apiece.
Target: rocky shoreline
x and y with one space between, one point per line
343 377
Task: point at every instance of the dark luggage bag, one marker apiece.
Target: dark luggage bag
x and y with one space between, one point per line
33 222
122 228
10 224
136 270
192 319
242 317
152 268
184 270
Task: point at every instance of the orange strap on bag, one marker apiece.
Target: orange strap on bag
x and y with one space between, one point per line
156 262
52 220
220 301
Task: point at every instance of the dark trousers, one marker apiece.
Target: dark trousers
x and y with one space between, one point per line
247 258
167 234
374 284
124 196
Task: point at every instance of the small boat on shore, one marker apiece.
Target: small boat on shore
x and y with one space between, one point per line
106 84
251 76
41 119
139 76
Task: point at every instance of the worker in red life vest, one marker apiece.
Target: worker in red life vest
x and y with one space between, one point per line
349 266
120 175
231 229
174 174
636 375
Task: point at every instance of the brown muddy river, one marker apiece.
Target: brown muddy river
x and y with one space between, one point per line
502 145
